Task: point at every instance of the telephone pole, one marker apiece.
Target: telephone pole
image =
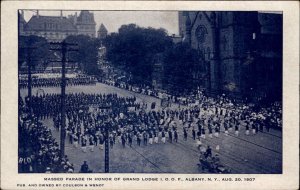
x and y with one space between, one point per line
106 159
29 49
63 48
107 126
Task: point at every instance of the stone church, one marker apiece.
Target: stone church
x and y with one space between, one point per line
240 52
57 28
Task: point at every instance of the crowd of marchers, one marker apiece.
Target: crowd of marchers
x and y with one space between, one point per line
129 123
92 119
38 150
56 82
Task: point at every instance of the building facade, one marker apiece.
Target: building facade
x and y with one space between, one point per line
240 52
57 28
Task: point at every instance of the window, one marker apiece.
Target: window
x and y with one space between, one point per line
201 33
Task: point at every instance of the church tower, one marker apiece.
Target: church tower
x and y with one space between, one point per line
235 51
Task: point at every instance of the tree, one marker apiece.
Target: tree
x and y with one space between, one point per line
39 56
87 54
179 63
133 49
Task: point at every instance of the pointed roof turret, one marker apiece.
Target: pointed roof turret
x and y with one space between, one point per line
102 32
102 28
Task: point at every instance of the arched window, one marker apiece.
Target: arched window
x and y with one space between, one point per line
201 33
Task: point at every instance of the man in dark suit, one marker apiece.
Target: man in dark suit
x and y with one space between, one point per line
84 168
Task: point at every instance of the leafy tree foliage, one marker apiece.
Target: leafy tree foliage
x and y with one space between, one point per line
40 55
87 53
179 64
133 49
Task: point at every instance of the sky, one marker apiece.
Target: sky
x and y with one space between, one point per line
112 20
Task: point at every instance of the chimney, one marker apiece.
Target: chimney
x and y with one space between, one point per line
61 14
22 13
37 13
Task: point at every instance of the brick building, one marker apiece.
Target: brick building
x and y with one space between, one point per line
240 52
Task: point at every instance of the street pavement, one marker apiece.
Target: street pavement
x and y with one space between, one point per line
253 154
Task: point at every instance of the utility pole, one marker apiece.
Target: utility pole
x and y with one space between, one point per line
63 47
29 60
106 151
106 159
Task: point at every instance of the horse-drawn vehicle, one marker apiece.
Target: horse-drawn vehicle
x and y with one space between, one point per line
212 164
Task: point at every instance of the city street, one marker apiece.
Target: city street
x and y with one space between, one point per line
260 153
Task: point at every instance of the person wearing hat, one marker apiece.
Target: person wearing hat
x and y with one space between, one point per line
91 143
83 144
185 134
194 133
163 137
138 138
208 152
217 129
150 138
175 135
130 139
253 126
210 130
145 138
236 128
226 128
84 168
247 127
123 139
111 141
170 136
155 137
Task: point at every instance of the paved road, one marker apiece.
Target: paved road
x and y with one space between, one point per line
261 153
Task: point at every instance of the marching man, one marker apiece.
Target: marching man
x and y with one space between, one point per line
236 128
91 142
163 137
83 144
